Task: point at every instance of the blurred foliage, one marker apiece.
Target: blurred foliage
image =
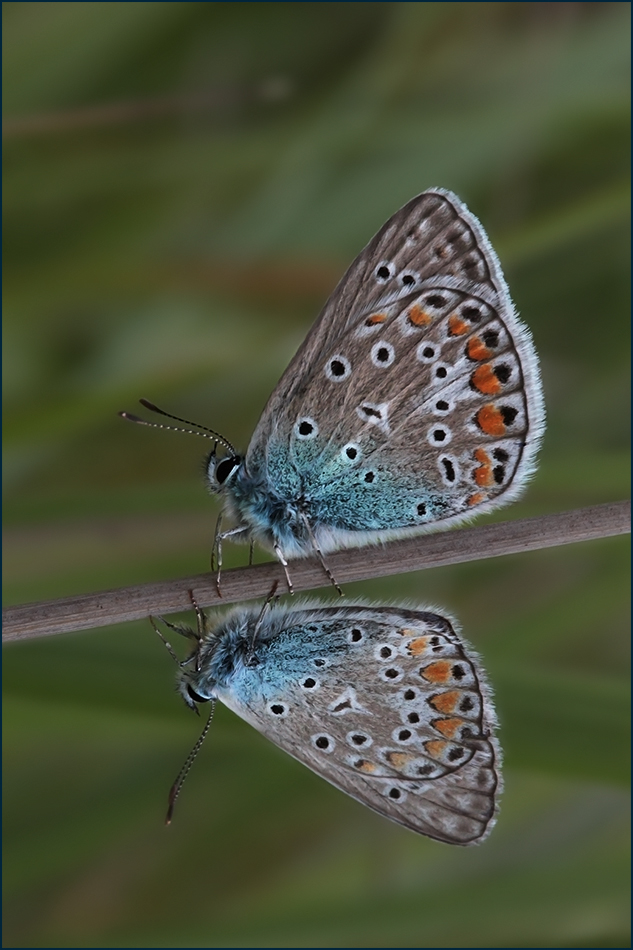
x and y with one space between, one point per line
184 184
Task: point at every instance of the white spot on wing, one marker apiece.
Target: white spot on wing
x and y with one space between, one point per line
374 414
347 702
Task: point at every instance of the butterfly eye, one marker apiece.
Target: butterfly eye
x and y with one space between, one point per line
196 696
226 467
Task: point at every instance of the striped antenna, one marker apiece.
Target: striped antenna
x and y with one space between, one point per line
205 433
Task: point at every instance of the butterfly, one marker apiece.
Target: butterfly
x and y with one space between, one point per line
385 702
413 404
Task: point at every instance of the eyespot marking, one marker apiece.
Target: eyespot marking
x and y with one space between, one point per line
448 469
485 380
482 475
393 674
384 271
338 368
490 420
457 326
359 739
471 313
375 319
382 354
427 353
306 429
323 742
439 435
364 765
476 350
418 317
351 452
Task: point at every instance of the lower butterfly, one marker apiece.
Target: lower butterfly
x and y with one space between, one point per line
386 703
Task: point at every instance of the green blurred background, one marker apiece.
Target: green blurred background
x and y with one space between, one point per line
184 184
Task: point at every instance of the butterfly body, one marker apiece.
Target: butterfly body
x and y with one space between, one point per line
413 404
386 703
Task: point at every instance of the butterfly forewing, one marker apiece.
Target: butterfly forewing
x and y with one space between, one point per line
387 704
431 236
415 398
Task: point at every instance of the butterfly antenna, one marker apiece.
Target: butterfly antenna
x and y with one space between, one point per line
174 792
206 433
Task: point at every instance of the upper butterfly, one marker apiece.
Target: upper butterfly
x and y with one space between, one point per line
414 402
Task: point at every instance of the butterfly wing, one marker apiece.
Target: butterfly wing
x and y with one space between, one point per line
415 398
386 704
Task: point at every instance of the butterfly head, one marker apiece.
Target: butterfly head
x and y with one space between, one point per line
190 694
222 471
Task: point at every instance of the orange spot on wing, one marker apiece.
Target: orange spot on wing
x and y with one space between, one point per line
483 473
457 326
418 317
406 632
485 380
483 477
418 646
477 350
399 759
490 420
435 747
476 499
445 702
438 672
448 727
375 318
366 766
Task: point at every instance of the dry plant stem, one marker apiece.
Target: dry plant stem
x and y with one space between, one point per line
413 554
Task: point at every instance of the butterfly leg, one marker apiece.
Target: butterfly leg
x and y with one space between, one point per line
216 552
251 659
201 625
284 564
181 629
216 542
319 555
170 649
